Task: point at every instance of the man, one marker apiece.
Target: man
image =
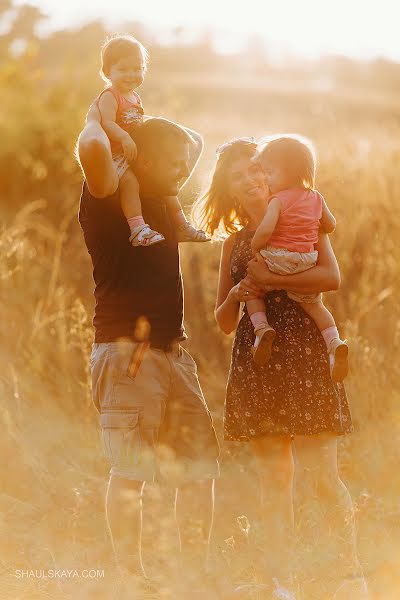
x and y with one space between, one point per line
155 422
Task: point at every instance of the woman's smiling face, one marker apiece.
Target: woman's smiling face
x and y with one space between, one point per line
247 184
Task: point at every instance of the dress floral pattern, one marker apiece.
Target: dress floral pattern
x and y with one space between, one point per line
293 393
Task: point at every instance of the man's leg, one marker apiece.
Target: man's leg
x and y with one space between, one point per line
188 430
194 509
131 408
124 521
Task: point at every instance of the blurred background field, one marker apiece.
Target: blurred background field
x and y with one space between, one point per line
54 475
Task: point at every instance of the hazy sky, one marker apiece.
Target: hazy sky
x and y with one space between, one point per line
360 28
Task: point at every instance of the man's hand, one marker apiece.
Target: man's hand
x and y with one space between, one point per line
129 148
258 271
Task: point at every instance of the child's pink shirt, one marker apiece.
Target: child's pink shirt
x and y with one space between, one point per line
298 223
129 114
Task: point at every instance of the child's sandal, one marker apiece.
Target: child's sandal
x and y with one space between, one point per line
188 233
143 235
262 347
338 360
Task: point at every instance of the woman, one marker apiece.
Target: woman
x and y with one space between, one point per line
291 403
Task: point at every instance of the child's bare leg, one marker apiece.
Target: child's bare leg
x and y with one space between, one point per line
337 349
186 231
174 205
256 310
265 334
94 155
141 234
129 196
319 314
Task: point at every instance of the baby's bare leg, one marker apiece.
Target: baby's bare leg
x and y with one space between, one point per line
94 155
141 233
265 334
337 349
256 306
129 195
173 204
319 314
186 231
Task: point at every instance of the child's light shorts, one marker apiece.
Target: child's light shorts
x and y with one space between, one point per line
285 262
121 164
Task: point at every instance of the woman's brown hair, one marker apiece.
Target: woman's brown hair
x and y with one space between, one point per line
216 210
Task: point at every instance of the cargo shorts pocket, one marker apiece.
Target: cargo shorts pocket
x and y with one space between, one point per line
121 437
136 358
125 359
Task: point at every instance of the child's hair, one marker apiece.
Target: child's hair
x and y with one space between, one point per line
117 47
295 155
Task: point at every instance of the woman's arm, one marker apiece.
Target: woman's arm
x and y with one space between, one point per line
229 296
267 225
324 277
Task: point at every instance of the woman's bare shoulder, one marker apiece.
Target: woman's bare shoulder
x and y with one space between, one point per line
229 241
227 247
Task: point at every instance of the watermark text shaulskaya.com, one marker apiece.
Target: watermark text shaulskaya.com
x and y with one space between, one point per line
59 573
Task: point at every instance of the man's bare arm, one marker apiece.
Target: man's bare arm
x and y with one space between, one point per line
195 153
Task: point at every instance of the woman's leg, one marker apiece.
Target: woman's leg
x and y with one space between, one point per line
325 521
275 469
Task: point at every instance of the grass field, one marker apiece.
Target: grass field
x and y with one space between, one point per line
54 474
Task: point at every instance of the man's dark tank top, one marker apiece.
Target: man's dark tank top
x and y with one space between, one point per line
132 282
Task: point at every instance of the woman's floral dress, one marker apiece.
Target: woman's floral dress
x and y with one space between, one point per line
293 393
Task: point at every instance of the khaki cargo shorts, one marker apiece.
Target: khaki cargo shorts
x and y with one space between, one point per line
286 262
154 419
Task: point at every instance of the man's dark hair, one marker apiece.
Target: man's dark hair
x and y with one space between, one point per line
157 134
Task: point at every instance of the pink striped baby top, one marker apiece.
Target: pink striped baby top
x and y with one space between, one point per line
129 114
298 224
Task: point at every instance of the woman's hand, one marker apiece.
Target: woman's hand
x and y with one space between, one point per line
246 290
258 271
